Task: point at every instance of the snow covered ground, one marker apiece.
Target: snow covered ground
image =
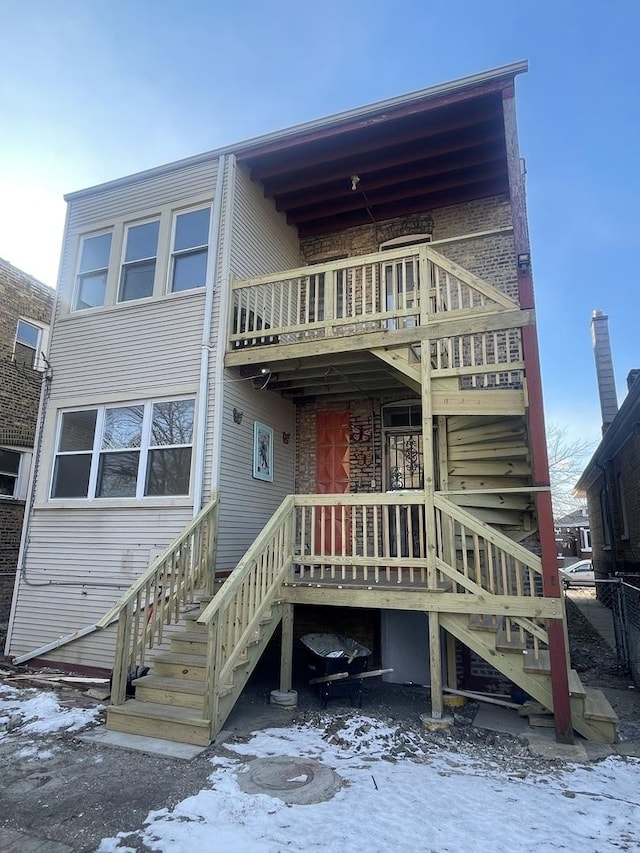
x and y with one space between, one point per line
425 800
403 790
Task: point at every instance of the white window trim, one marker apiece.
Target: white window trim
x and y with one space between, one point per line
96 452
39 362
24 468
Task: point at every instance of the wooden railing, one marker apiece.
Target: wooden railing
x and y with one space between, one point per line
157 596
233 616
385 290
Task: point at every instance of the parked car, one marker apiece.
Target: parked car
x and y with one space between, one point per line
579 574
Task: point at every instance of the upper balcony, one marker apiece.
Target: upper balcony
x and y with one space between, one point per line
359 324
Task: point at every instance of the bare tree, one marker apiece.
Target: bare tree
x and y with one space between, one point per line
567 460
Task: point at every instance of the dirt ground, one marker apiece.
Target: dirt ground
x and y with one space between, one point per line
76 793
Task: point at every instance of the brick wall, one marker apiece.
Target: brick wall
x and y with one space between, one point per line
20 296
623 476
491 258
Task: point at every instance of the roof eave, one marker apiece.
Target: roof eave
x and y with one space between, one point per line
504 72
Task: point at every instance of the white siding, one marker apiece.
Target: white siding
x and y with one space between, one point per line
78 564
247 504
132 347
261 242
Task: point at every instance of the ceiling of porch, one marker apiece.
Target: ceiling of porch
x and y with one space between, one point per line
413 157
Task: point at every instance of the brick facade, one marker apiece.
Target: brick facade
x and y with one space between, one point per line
21 296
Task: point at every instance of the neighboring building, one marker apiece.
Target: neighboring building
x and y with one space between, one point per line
331 328
573 537
25 316
610 483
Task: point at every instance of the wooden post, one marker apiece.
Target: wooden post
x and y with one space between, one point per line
435 657
121 662
212 544
286 651
211 687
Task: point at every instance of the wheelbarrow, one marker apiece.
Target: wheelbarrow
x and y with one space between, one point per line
338 666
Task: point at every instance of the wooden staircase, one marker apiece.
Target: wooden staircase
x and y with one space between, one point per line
170 701
505 648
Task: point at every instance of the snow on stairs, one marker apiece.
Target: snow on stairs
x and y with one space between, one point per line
592 715
169 701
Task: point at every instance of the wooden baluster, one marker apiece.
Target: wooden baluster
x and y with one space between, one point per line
490 567
505 576
465 555
354 544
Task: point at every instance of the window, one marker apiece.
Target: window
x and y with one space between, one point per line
31 340
9 473
190 249
91 281
139 264
132 451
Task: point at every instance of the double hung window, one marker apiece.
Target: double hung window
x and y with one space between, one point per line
91 280
139 264
190 249
132 451
9 472
29 344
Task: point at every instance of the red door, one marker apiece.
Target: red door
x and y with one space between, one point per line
332 477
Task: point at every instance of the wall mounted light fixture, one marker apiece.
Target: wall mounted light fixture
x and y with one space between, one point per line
524 262
237 416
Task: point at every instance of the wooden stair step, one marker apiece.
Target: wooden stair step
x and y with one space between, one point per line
180 665
540 664
165 690
576 687
184 725
513 643
597 707
484 622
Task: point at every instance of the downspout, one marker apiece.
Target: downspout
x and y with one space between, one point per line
203 388
223 323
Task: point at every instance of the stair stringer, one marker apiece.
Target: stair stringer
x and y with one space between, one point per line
511 665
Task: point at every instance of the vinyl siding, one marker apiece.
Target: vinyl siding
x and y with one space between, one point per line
247 504
261 242
79 563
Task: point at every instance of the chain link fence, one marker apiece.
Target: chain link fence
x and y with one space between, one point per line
620 623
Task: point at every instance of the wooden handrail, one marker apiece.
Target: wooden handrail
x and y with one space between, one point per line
144 578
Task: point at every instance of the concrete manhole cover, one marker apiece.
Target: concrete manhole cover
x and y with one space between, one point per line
298 781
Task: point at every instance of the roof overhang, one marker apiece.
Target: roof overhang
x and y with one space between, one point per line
436 147
433 147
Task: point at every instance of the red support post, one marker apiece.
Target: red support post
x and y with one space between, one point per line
535 416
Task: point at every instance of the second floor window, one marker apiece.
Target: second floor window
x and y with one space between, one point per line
91 280
190 249
30 343
139 265
129 451
9 473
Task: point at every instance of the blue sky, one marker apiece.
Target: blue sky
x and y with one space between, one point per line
91 91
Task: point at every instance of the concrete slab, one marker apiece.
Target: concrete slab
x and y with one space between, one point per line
504 720
549 748
18 842
149 745
596 612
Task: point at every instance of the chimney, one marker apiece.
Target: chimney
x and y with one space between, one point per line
604 368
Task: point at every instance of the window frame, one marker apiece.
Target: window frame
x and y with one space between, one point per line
82 238
172 253
97 451
22 477
126 228
39 362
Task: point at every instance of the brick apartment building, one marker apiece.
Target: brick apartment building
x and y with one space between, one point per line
25 312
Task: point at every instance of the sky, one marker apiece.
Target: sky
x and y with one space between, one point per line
397 791
92 91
